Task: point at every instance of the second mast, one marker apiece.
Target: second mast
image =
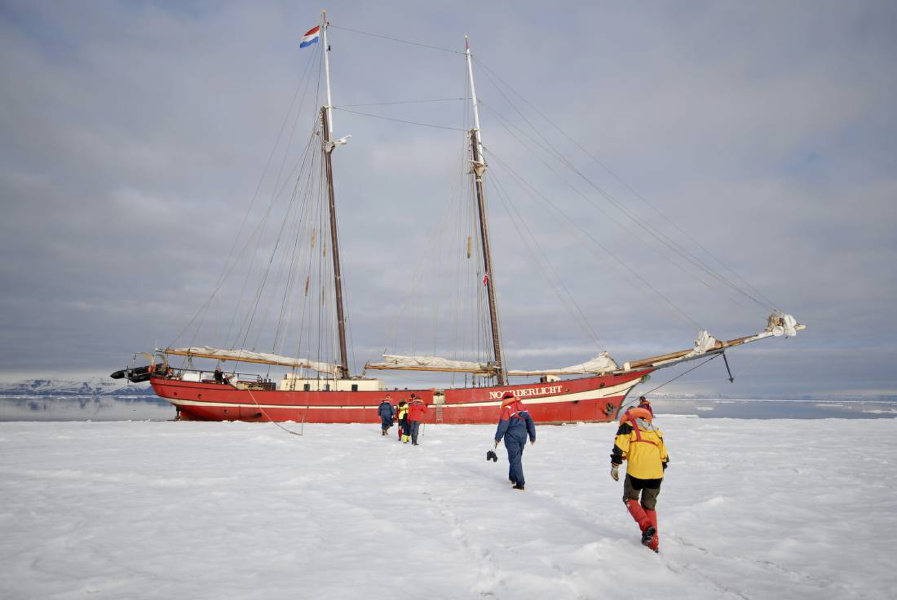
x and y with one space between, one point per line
478 169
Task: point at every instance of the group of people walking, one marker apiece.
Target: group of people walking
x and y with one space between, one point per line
638 442
408 416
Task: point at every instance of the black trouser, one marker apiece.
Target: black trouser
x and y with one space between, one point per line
415 426
648 489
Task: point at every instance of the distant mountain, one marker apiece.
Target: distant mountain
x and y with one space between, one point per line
105 386
94 386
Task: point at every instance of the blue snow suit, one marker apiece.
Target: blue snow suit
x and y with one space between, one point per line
514 426
387 412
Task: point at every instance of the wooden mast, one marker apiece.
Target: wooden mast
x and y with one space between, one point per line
327 146
478 169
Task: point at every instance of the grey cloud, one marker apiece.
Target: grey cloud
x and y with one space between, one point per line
134 135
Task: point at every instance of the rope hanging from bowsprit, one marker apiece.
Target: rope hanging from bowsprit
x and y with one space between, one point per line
715 356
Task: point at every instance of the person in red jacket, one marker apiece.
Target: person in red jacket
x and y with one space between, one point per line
416 411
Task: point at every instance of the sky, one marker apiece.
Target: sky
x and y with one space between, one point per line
133 137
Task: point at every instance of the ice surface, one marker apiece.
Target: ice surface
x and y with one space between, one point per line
749 509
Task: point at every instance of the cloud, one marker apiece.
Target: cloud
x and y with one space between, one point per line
134 138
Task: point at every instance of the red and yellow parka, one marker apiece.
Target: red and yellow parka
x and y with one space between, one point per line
640 443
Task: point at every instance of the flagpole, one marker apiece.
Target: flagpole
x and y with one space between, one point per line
329 106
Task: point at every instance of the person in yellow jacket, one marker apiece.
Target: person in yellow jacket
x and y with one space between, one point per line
402 419
640 443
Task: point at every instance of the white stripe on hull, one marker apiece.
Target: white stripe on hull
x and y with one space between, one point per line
608 392
599 394
266 406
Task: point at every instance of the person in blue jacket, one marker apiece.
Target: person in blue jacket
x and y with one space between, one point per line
514 426
387 413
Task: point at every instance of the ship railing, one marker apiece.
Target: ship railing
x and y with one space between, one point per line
206 376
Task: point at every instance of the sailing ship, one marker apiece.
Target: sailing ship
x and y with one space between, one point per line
325 391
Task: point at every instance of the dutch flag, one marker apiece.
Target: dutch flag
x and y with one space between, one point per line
311 37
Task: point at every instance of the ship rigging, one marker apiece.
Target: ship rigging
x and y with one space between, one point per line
301 271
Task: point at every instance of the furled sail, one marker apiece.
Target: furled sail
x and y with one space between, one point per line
256 357
782 324
602 363
704 343
430 363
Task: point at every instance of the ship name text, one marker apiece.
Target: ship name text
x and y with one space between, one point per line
528 392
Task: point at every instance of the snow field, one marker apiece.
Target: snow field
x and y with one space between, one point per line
749 509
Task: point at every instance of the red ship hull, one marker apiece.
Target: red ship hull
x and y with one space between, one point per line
589 399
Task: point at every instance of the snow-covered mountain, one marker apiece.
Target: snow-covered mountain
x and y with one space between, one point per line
93 386
106 386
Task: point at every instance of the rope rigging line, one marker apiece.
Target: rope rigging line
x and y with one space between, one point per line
245 327
355 112
650 228
283 233
267 272
286 307
264 412
735 374
298 248
426 258
550 273
392 39
227 268
442 227
306 160
325 343
662 239
617 263
715 356
257 235
342 106
445 230
311 192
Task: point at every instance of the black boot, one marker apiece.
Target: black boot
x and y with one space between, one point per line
648 537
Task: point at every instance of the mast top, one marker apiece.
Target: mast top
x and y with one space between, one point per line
329 106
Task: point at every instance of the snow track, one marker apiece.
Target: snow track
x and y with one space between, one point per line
749 510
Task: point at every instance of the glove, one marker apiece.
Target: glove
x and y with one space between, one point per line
615 472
